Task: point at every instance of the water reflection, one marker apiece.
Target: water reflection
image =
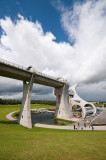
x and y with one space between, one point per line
45 118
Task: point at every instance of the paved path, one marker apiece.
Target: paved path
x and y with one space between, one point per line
69 127
9 117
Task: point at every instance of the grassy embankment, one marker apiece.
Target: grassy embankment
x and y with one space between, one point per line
20 143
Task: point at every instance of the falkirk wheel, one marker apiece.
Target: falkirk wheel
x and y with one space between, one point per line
76 103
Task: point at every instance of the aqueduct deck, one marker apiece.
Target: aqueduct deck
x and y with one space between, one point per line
14 71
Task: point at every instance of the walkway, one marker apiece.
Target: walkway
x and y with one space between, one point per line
70 127
9 116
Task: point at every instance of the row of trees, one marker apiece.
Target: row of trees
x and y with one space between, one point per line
13 102
100 104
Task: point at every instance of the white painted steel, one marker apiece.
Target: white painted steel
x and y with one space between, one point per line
76 100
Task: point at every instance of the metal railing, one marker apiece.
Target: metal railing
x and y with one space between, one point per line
25 69
12 64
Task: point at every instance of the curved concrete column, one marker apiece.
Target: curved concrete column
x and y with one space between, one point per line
62 107
25 113
76 100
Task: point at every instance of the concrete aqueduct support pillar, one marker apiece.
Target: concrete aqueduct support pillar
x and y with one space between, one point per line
62 107
25 113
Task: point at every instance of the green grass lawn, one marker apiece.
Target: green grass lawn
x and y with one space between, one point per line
20 143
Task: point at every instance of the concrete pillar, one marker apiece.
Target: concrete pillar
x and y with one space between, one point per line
62 107
25 112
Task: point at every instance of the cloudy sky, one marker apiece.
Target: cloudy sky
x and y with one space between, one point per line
62 38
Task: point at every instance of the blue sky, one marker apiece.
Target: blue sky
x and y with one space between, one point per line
42 10
61 38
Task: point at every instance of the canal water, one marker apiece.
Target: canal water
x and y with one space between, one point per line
45 118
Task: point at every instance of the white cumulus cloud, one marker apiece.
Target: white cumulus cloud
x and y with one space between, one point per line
85 25
82 60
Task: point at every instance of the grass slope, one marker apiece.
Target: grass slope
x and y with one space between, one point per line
20 143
